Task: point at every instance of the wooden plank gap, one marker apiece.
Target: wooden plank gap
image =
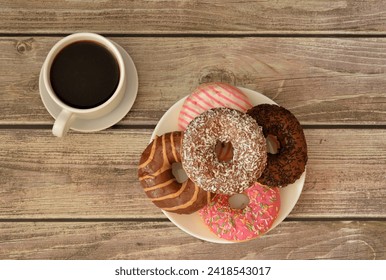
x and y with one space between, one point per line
49 126
152 126
335 219
344 126
208 35
84 220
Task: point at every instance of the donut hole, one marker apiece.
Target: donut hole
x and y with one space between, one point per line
238 201
179 172
224 151
273 145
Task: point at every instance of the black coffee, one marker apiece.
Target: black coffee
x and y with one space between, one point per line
84 75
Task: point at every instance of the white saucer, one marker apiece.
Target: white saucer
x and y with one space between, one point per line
193 223
108 120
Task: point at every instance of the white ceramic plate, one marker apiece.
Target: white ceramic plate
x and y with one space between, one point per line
193 224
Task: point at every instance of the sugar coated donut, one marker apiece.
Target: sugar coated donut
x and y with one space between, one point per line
160 185
288 164
211 95
243 224
199 158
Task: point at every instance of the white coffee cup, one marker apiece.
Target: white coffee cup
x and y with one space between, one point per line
68 113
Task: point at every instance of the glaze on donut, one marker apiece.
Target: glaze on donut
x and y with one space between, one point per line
160 185
211 95
243 224
288 164
199 158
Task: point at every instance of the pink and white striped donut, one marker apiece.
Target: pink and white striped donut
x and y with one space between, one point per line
212 95
243 224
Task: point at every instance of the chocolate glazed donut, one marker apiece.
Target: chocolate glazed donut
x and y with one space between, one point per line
160 185
288 164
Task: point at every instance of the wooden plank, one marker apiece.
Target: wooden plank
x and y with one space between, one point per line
162 240
83 175
95 175
176 17
321 80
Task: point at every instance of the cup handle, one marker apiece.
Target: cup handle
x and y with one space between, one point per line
63 123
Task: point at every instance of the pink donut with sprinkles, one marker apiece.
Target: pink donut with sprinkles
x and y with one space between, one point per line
209 96
243 224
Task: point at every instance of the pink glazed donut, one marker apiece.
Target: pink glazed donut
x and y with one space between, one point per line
243 224
209 96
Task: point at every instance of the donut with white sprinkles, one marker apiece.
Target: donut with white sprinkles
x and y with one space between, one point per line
199 158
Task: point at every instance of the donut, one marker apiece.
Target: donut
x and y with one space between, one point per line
288 164
160 185
211 95
199 159
247 223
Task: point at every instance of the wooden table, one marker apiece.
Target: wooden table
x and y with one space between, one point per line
79 198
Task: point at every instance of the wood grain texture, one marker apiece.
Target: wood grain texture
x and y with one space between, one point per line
162 240
321 80
95 175
203 17
79 197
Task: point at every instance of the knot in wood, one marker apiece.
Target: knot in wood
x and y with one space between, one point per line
214 74
24 46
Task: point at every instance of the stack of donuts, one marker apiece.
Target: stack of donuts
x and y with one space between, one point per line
222 146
